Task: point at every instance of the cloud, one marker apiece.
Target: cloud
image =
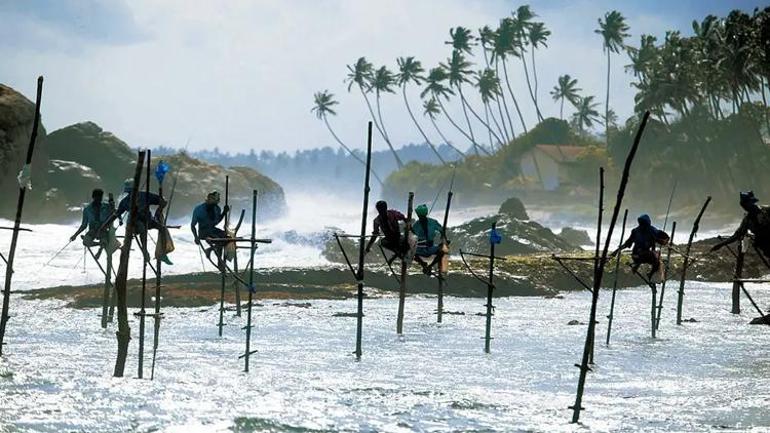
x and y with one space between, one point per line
241 74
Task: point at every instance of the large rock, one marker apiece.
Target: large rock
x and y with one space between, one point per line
89 157
514 208
17 114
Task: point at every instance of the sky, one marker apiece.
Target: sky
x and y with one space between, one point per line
237 75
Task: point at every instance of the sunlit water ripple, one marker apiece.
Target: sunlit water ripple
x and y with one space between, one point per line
702 376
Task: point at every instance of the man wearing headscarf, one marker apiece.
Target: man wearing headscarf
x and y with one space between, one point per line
95 214
756 221
644 237
145 219
427 230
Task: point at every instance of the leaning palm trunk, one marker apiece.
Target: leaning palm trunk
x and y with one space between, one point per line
347 149
443 110
515 103
505 103
534 77
399 163
529 87
419 128
489 131
486 124
447 142
607 103
504 131
464 104
489 113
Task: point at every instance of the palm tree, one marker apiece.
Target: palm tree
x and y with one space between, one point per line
462 39
565 89
410 70
538 35
586 114
324 103
486 39
382 82
489 88
432 110
522 23
613 30
436 88
361 74
504 45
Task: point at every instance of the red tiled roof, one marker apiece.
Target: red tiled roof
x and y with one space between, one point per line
561 153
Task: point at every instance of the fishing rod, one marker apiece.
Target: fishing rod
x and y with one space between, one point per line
57 254
451 186
670 200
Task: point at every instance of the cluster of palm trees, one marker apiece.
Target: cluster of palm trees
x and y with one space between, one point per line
517 37
716 71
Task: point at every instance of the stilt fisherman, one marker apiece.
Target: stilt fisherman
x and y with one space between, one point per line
206 216
644 237
427 230
95 215
756 221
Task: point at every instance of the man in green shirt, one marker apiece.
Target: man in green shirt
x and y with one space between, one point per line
427 231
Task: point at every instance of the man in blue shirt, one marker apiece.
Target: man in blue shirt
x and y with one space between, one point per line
95 214
206 216
145 220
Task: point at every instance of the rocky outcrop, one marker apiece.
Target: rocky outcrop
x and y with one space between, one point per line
514 208
86 157
16 117
575 236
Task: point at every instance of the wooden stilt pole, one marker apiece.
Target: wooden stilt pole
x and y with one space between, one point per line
441 273
222 270
362 245
237 286
597 262
598 272
107 247
146 257
653 307
490 289
615 280
17 220
666 268
124 331
249 307
158 274
405 261
680 297
737 275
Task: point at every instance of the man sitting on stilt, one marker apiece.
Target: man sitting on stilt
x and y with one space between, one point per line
387 222
756 221
427 229
644 238
95 215
146 221
206 216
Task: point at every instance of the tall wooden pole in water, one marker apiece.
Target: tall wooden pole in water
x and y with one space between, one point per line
615 280
17 221
737 275
145 258
680 298
362 244
160 175
441 273
124 331
665 274
597 262
222 268
490 289
253 247
107 247
599 271
405 260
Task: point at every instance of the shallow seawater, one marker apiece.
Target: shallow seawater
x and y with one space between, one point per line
712 375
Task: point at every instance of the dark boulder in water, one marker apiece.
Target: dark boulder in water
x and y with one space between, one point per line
575 236
514 208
